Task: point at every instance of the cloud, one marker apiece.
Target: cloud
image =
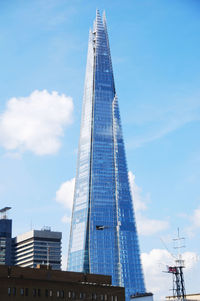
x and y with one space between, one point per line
155 263
64 261
66 219
64 195
148 226
145 225
35 123
196 218
136 191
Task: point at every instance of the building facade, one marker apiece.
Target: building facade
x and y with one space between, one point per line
18 284
5 237
103 238
38 247
188 297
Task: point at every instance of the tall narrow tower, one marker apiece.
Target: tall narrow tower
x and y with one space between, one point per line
5 237
103 238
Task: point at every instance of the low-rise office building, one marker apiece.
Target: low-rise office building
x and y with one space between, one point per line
188 297
38 247
42 284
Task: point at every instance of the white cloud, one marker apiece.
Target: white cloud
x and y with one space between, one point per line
148 226
36 122
64 195
64 262
190 260
136 191
196 218
155 263
145 225
66 219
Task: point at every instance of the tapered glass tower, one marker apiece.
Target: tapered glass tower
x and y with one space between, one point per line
103 238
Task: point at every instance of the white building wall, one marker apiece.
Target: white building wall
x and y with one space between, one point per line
38 247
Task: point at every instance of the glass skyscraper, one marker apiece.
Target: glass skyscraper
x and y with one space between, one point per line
5 237
103 238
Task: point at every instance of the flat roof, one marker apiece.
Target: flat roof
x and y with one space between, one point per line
46 274
4 209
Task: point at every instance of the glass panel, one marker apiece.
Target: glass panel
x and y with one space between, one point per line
9 291
103 238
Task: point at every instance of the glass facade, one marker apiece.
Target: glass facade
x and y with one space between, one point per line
5 241
103 238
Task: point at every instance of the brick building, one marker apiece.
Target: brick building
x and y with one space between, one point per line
17 283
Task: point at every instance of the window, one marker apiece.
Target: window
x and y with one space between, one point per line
14 291
39 292
82 295
9 291
106 297
26 291
62 294
34 292
22 291
69 295
50 293
46 293
73 295
102 297
94 296
58 294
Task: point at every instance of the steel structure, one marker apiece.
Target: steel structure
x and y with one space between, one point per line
178 281
176 270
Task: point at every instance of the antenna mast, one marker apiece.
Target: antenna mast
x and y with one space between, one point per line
179 292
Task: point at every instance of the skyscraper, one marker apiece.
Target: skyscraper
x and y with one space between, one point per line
5 237
103 238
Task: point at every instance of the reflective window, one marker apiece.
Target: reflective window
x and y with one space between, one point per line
103 237
9 291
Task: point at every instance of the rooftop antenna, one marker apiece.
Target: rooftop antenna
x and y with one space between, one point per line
176 270
3 212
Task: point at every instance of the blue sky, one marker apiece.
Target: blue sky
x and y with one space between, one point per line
155 52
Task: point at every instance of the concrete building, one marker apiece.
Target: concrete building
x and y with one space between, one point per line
32 284
142 297
38 247
188 297
5 237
